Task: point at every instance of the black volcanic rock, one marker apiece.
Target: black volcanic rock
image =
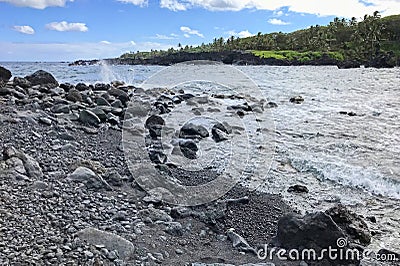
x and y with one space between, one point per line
5 74
43 78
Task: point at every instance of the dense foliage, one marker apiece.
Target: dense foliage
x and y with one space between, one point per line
341 39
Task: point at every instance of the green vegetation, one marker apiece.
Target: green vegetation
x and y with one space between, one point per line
299 56
342 39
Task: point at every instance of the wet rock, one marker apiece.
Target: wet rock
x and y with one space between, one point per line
60 109
297 99
296 232
5 91
119 94
271 105
190 130
102 102
45 121
81 87
219 133
89 178
66 87
350 223
21 82
88 117
298 189
348 113
42 78
348 64
74 95
154 124
99 113
5 74
110 241
101 87
189 149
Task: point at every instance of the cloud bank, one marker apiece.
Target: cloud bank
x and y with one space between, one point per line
38 4
65 26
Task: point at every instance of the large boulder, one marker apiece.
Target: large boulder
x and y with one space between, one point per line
351 223
191 130
5 74
22 163
42 78
296 232
110 241
90 118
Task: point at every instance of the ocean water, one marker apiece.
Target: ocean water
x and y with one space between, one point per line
354 160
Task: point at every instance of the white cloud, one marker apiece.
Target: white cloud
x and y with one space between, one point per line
173 5
189 31
38 4
24 29
65 26
186 35
241 34
341 8
164 37
275 21
72 51
135 2
278 13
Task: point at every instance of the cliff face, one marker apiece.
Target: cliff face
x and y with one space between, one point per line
226 57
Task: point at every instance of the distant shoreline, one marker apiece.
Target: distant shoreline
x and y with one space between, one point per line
237 58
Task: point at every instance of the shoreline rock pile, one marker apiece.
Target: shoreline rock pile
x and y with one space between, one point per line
67 197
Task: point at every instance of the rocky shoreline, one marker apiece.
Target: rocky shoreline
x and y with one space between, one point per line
68 198
383 60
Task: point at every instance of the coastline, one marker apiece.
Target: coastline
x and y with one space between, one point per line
242 58
56 134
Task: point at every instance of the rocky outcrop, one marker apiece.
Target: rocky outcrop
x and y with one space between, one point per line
42 78
5 74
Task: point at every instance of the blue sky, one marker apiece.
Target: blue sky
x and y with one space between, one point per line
66 30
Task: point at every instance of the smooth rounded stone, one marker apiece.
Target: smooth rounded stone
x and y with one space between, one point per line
5 74
189 149
117 104
297 99
101 87
298 189
90 118
60 109
99 113
119 94
110 241
179 251
89 178
42 78
118 83
112 119
219 133
81 87
102 102
154 215
174 229
66 86
40 185
270 105
45 121
5 91
155 124
74 96
190 130
213 110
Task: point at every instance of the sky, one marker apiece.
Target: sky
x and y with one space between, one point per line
68 30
